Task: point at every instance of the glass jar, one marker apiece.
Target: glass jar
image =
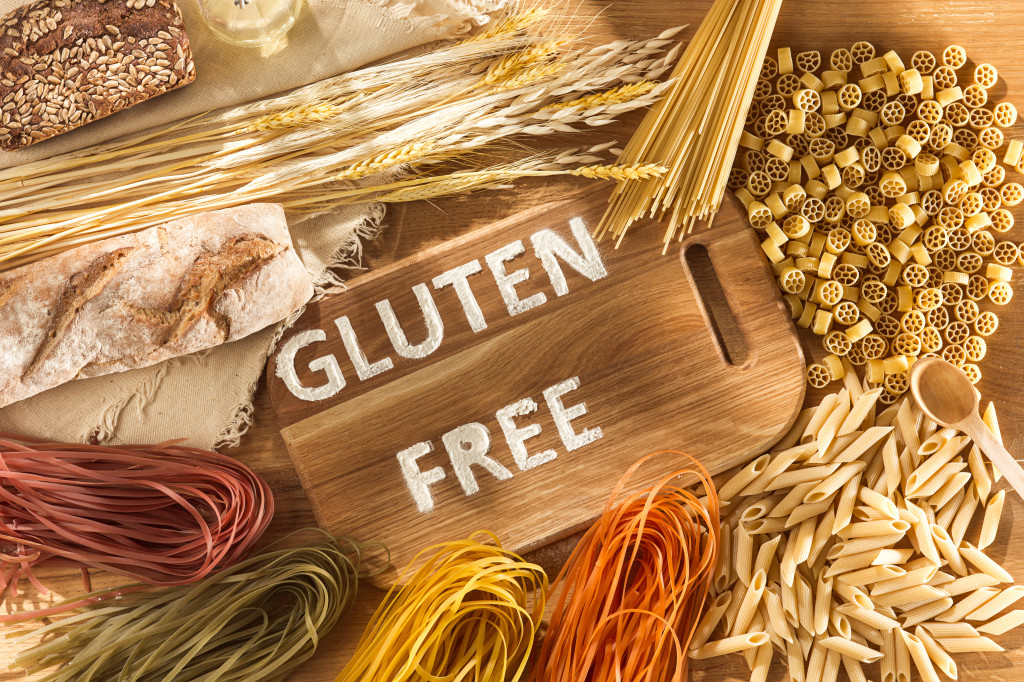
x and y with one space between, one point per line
250 23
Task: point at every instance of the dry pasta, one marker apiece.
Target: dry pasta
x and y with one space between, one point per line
865 560
694 128
903 187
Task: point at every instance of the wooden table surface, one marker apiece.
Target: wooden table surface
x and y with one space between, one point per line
991 30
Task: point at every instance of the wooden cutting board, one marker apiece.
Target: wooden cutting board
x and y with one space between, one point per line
522 368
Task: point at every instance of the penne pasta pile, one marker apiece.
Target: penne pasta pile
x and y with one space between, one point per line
848 545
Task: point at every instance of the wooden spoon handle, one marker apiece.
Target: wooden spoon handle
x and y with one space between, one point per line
974 427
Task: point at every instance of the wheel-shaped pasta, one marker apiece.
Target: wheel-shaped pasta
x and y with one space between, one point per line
846 312
983 243
972 371
807 100
888 326
862 51
954 355
975 95
1000 293
928 298
991 200
986 324
914 274
837 343
763 88
953 190
821 150
1012 194
931 340
969 262
873 346
1005 114
941 136
835 210
901 216
818 375
828 292
1006 253
937 318
952 293
759 184
1003 220
923 61
863 232
966 311
792 281
970 204
907 344
796 226
934 239
776 169
954 56
813 209
897 384
975 348
809 61
769 68
878 255
892 114
837 241
854 175
775 122
945 258
873 100
977 287
991 138
794 197
957 332
986 75
873 291
841 60
912 322
738 178
930 112
893 184
814 125
957 114
931 202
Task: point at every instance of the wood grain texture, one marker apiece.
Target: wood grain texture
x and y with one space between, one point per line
637 341
989 29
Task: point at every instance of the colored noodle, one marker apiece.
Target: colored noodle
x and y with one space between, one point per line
633 589
254 621
161 514
470 613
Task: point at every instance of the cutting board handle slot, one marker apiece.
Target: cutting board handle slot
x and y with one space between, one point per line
718 314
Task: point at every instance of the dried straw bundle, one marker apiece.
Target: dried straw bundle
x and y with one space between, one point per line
307 148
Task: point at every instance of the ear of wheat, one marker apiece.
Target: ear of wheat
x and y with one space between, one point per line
432 115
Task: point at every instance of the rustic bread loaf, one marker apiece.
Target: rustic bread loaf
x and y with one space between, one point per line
64 63
136 300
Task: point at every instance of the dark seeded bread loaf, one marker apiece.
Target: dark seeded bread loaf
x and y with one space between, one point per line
133 301
64 63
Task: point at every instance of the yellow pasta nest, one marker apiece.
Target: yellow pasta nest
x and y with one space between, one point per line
881 187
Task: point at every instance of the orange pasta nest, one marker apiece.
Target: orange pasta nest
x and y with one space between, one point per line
630 594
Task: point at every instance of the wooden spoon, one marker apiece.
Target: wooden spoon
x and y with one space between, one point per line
946 395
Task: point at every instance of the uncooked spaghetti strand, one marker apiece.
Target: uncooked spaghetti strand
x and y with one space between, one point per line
470 613
695 128
631 593
161 514
254 621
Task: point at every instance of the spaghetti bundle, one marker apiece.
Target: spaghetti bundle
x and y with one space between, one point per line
161 514
470 613
695 128
631 593
254 621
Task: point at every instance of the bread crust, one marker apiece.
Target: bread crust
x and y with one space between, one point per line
65 63
136 300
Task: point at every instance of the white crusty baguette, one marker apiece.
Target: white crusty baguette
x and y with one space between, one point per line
133 301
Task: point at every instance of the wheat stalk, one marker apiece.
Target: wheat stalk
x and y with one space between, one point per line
299 147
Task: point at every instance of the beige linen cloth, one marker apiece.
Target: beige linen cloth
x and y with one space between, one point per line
207 397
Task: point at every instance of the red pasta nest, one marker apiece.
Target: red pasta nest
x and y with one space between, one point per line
162 514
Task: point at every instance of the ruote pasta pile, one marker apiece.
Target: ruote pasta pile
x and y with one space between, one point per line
882 192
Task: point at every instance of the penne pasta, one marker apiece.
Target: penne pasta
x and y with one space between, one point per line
857 545
913 578
1004 600
833 483
941 630
969 645
794 477
979 472
879 502
913 595
743 478
993 514
983 562
853 595
862 444
920 614
730 645
891 461
953 486
822 605
971 602
862 407
853 669
762 663
1003 624
869 529
846 503
946 548
776 614
964 515
903 658
969 583
846 647
887 665
942 661
744 555
920 656
710 620
748 605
